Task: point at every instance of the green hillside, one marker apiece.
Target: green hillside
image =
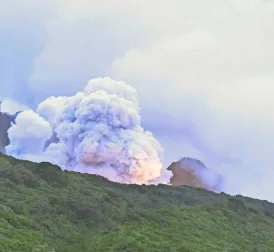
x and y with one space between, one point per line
43 209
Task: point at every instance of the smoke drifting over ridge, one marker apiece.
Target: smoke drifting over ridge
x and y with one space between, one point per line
96 131
192 172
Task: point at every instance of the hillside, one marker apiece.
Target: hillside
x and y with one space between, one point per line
45 209
5 121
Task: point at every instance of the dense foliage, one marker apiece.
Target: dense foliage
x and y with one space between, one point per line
44 209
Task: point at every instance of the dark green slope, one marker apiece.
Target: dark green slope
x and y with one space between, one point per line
5 122
45 209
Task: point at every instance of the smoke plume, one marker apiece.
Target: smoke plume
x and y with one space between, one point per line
95 131
213 62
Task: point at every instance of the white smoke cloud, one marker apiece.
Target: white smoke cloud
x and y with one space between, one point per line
28 135
11 106
96 131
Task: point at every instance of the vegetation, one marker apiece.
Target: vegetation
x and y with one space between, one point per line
45 209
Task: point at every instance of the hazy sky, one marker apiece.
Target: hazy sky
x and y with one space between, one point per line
204 71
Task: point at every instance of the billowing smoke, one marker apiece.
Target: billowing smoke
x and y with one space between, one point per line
96 131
